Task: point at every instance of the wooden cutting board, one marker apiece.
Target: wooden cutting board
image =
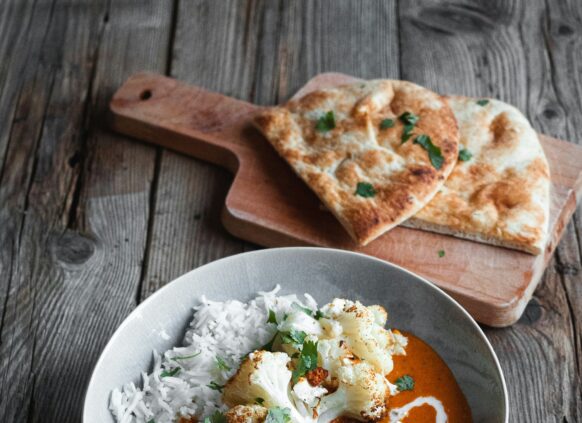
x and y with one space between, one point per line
269 205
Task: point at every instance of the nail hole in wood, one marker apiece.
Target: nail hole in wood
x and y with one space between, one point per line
146 94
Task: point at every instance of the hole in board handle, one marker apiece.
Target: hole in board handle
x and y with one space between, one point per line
146 94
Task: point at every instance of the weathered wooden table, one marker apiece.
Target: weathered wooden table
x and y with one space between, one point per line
91 223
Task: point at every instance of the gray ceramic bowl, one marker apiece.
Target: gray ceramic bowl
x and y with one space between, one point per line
413 305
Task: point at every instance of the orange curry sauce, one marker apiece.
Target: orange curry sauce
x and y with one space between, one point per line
432 378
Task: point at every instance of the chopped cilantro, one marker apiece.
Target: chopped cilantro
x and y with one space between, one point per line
465 155
434 152
215 386
272 317
216 417
186 357
408 118
307 360
364 189
305 310
326 122
483 102
172 372
405 383
221 363
278 415
386 123
406 134
441 253
259 400
293 337
318 315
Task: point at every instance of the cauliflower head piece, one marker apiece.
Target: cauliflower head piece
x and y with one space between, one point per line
265 375
361 395
363 331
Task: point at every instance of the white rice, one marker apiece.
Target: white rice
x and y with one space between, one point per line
229 330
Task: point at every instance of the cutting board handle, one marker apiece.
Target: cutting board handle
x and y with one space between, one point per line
184 118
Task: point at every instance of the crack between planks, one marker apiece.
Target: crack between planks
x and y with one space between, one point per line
157 165
150 228
257 60
399 38
548 49
85 120
172 37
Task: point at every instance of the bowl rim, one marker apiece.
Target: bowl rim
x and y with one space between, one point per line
436 289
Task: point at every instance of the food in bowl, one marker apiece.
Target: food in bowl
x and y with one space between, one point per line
279 359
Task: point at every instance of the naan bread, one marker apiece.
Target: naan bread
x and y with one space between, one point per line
501 195
362 172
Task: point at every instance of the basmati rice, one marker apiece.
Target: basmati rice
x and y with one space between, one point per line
186 381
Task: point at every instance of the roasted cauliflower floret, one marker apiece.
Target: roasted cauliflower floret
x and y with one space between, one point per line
361 395
305 392
265 375
246 414
364 336
332 354
300 321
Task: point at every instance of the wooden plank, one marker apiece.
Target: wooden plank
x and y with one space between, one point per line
39 134
259 52
74 199
498 49
562 115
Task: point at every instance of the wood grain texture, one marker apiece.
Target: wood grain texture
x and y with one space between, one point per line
525 52
269 205
74 200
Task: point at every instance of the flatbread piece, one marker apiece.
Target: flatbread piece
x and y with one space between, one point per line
358 148
500 193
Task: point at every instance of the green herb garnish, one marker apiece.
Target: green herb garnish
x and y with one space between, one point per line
441 253
171 372
215 386
434 152
221 363
186 357
465 155
326 122
364 189
408 118
318 315
305 310
307 360
278 415
272 317
216 417
387 123
259 401
294 336
406 134
483 102
405 383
